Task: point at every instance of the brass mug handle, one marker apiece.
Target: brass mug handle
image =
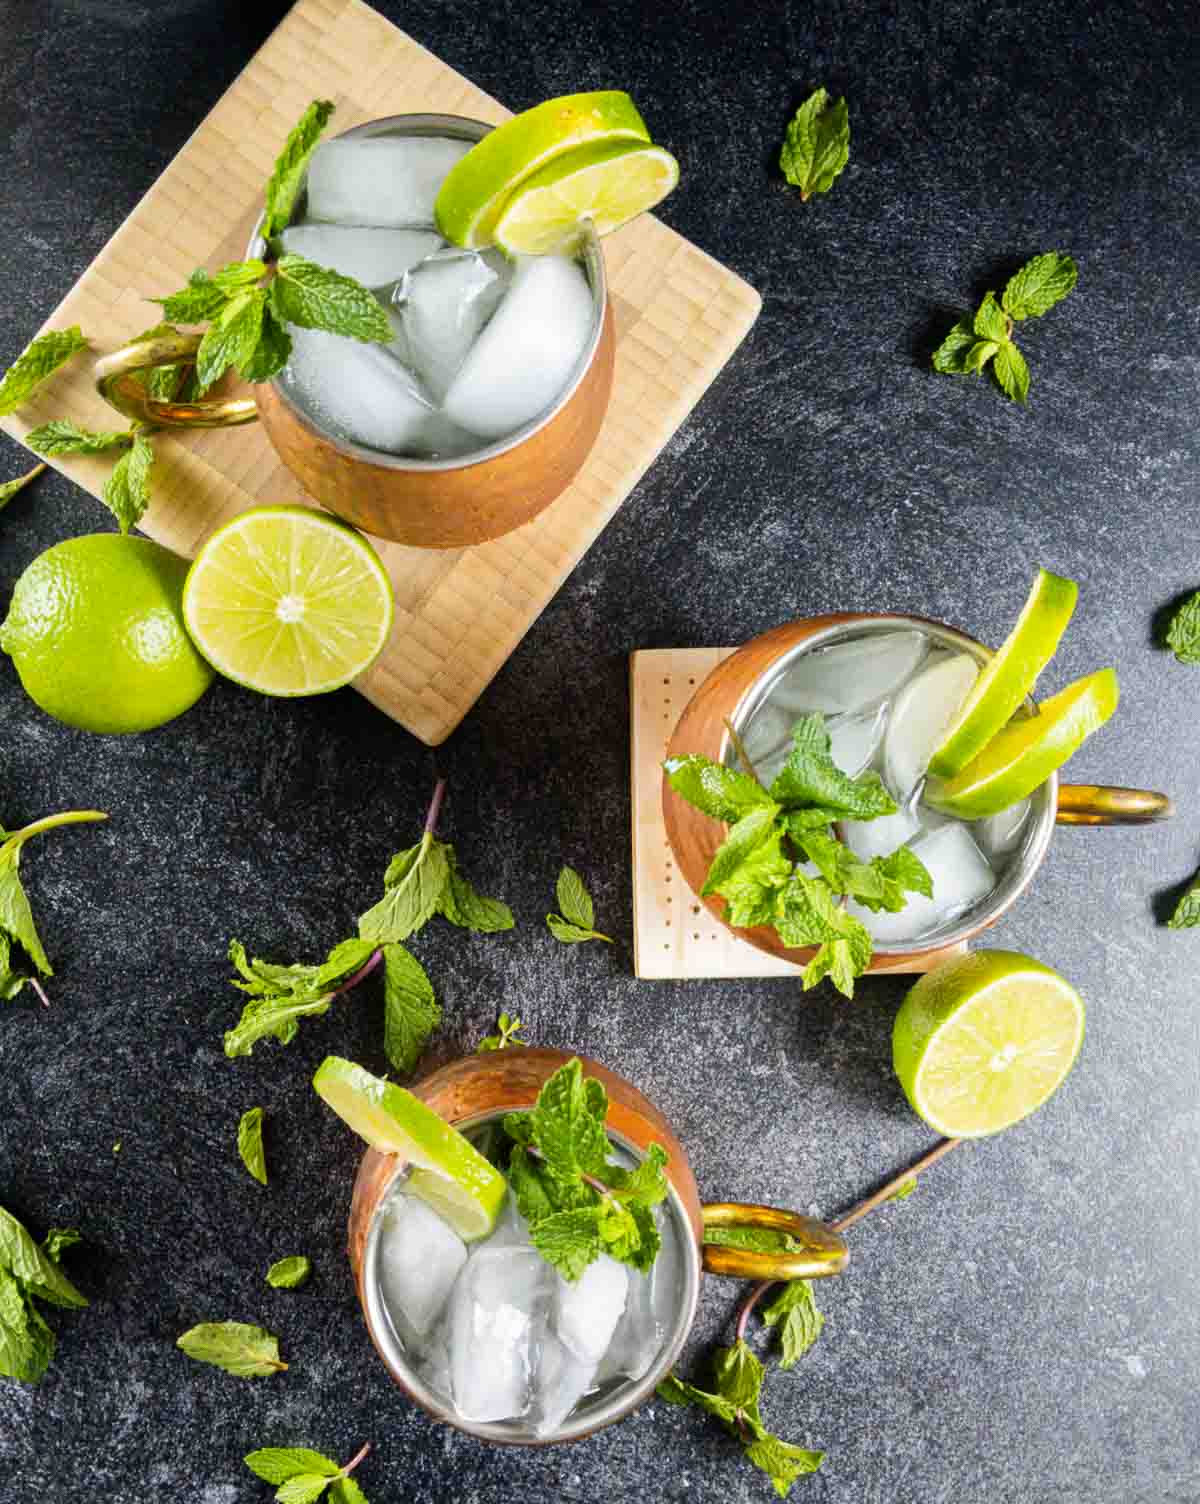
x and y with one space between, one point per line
822 1251
1097 804
116 382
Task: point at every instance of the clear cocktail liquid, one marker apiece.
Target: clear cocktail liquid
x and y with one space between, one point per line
482 344
497 1333
888 697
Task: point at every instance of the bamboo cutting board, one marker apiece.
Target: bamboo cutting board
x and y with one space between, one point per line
459 614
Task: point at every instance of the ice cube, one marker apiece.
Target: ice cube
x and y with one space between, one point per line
1000 835
356 390
380 180
372 257
498 1312
587 1309
419 1260
650 1311
854 738
440 307
528 351
880 837
920 715
511 1229
769 732
850 675
561 1382
961 877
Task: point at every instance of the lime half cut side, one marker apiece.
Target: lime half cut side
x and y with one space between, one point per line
1021 757
1010 674
477 187
448 1171
606 185
288 601
984 1040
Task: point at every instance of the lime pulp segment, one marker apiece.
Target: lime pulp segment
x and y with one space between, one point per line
1010 674
984 1040
448 1171
288 601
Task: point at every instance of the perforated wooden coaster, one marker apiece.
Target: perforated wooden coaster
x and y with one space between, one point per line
674 935
460 612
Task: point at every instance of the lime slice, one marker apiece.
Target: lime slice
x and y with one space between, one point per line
448 1172
1010 674
288 601
1022 756
477 187
983 1040
607 185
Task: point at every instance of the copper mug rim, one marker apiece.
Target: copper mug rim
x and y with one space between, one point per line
116 374
822 1252
1054 804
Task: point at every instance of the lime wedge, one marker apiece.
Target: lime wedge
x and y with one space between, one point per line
448 1172
1022 756
288 601
477 187
607 185
1010 674
983 1040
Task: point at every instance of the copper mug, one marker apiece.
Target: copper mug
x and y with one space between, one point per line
741 683
470 1091
422 503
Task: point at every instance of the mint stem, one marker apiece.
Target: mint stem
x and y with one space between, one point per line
740 748
356 1459
40 990
364 970
67 817
597 1185
435 806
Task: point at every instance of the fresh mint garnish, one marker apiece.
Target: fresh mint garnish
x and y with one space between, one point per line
38 361
231 340
971 344
817 145
289 1273
411 1012
795 1313
576 921
283 189
316 297
247 1352
64 437
127 491
757 869
17 928
303 1475
10 487
507 1036
250 1144
579 1205
29 1273
1183 631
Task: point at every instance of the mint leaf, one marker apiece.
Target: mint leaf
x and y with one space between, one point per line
39 360
782 1462
414 883
751 890
904 871
817 145
462 905
283 189
810 779
271 354
715 790
750 832
64 437
127 491
25 1352
990 322
1187 910
250 1144
16 917
282 995
10 487
240 275
807 915
568 1240
979 354
58 1240
347 1491
316 297
289 1273
232 339
1183 633
950 356
574 900
302 1489
755 1239
201 300
278 1464
411 1011
247 1352
571 934
1041 282
508 1035
840 868
795 1313
568 1123
1011 372
532 1197
676 1392
33 1268
739 1375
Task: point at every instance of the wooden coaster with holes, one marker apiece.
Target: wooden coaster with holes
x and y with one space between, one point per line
674 935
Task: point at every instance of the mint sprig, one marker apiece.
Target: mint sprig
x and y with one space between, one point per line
507 1036
36 363
817 145
303 1475
29 1273
757 869
578 917
988 337
64 437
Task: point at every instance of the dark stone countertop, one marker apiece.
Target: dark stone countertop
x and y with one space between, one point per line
1024 1328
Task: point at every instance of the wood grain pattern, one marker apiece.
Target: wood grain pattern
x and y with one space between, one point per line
674 935
459 613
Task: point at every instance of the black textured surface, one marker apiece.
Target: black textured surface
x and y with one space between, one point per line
1025 1327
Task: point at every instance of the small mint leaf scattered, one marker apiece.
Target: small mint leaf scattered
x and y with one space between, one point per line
816 146
250 1144
38 361
289 1273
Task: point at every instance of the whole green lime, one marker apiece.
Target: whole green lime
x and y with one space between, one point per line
96 631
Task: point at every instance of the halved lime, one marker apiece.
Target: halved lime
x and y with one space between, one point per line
477 187
607 185
288 601
448 1171
983 1040
1010 674
1020 758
